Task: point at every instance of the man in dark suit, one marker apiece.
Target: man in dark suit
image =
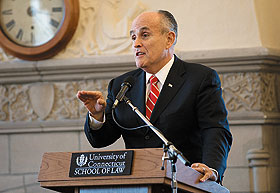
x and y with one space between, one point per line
189 110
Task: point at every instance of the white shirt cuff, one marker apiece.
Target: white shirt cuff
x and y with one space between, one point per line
95 124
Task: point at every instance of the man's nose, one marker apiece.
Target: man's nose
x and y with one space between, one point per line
137 43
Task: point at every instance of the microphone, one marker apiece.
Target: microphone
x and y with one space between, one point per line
125 86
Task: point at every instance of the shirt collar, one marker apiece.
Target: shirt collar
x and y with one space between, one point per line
162 74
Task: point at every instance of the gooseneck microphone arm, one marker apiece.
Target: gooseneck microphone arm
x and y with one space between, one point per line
172 149
173 153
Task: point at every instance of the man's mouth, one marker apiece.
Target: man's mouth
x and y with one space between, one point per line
140 53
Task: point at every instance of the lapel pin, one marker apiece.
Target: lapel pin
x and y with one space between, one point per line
170 85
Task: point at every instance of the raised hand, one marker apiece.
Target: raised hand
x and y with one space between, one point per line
94 102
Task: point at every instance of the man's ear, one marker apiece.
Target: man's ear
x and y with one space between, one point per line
171 37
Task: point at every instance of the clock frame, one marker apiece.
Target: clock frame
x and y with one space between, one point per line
52 47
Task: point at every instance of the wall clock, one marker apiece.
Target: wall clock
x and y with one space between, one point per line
37 29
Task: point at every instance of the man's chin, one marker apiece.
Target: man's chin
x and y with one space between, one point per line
140 65
144 68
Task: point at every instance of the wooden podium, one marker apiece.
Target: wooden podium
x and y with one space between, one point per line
146 176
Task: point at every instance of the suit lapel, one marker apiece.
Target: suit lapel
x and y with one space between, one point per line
138 93
171 86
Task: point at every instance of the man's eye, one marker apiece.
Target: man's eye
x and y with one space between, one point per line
145 35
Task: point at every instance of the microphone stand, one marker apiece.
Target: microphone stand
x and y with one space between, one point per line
168 147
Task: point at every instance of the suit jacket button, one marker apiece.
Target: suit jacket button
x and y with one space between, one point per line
147 137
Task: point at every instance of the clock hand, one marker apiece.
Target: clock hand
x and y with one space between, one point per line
43 12
47 31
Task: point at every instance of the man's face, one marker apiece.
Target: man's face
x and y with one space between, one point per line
149 43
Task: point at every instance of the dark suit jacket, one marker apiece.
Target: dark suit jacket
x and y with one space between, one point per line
190 112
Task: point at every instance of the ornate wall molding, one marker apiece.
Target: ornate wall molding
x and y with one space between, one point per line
251 95
250 92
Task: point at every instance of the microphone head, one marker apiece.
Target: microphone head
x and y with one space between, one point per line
129 81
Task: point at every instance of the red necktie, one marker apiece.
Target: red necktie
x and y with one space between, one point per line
153 96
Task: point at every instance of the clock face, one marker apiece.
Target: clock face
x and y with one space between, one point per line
31 23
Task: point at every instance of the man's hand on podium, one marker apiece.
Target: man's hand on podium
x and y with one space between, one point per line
208 173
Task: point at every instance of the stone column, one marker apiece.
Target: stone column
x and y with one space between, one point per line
259 171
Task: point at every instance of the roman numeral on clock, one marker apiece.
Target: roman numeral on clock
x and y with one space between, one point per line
54 23
57 9
10 25
19 34
32 38
7 12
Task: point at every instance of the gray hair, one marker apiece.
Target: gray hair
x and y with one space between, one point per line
170 23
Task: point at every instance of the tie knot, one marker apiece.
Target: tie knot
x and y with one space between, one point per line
153 79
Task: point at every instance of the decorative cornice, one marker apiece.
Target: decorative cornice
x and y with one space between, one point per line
42 126
107 66
236 60
65 69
